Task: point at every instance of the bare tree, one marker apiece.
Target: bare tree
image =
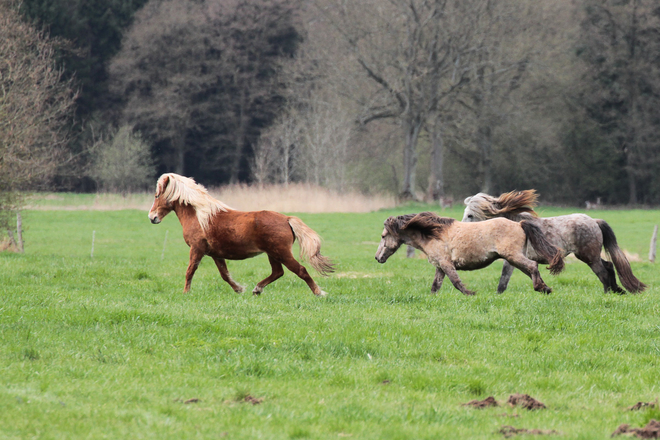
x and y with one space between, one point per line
415 53
200 79
35 109
620 44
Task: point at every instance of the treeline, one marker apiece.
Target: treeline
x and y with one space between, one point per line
424 98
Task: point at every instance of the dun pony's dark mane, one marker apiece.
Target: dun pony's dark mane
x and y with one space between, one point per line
430 225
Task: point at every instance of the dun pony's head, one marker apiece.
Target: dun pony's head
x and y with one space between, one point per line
483 207
172 188
398 230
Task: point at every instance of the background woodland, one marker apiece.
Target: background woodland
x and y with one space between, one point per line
425 99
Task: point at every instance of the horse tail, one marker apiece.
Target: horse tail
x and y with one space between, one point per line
629 281
543 247
310 246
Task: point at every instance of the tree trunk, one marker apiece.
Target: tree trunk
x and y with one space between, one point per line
412 129
436 188
180 148
485 163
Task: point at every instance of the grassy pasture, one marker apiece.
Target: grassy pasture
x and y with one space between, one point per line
109 347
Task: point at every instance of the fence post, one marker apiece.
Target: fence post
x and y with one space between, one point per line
93 238
654 239
19 232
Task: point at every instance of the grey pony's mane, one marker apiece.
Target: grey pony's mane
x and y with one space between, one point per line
514 205
186 191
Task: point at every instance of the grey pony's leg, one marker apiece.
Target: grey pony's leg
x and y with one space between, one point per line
437 281
451 273
507 271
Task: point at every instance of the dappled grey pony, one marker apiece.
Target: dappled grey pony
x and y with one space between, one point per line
452 245
575 233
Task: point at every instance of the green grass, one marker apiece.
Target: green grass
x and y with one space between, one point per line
109 347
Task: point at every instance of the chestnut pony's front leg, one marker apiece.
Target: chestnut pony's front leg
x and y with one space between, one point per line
224 272
196 256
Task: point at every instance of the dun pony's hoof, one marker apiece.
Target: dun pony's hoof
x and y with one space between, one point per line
322 294
546 290
239 288
257 291
470 293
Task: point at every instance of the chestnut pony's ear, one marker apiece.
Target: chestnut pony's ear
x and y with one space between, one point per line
162 184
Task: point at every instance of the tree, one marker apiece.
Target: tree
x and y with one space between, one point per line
123 163
94 30
417 54
200 80
36 105
620 44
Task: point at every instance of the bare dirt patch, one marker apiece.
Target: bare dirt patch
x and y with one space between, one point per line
253 400
640 405
525 401
510 431
479 404
651 430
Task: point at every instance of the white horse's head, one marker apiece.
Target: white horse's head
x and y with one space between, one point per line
476 208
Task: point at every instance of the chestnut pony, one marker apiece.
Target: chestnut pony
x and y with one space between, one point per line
574 233
212 228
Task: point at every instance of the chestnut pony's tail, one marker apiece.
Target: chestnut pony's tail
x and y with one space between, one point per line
629 281
310 246
543 247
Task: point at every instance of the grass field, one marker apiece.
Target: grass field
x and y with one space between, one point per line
109 347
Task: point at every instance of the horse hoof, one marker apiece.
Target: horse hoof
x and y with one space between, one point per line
470 293
239 289
257 291
322 294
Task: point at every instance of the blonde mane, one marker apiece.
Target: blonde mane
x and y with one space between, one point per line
483 206
186 191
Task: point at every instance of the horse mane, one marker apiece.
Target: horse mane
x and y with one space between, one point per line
506 205
177 188
429 224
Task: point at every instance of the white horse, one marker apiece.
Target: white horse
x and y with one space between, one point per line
574 233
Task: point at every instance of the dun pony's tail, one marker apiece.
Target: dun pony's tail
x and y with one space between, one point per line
310 246
543 247
629 281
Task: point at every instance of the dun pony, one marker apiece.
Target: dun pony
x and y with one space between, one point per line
575 233
212 228
451 245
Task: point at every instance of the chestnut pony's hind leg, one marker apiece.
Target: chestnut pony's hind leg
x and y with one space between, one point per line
277 273
290 262
195 257
224 272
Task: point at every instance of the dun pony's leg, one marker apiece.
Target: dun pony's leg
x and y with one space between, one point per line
437 281
224 272
195 257
507 271
531 269
290 262
451 273
277 272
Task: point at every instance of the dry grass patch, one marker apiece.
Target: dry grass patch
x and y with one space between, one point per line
291 198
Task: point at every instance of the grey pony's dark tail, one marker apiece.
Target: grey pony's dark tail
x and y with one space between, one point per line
629 281
543 247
